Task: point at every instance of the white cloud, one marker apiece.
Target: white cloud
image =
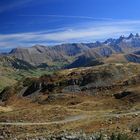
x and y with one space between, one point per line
64 16
78 33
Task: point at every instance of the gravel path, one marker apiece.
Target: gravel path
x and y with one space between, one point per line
69 119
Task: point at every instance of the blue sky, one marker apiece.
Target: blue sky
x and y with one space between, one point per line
24 23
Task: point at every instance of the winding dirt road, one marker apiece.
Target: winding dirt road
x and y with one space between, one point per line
69 119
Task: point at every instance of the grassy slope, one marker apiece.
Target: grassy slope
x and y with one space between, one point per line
9 76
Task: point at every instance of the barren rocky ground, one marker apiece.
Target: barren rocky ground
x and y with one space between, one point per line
83 103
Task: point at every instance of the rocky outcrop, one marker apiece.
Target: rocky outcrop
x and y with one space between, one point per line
133 58
131 96
69 136
122 94
99 78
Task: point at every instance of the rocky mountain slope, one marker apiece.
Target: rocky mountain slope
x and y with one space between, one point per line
15 63
89 80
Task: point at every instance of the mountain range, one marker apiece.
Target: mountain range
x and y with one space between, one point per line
125 49
92 87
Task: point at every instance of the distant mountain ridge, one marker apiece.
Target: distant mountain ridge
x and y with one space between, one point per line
15 63
74 53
